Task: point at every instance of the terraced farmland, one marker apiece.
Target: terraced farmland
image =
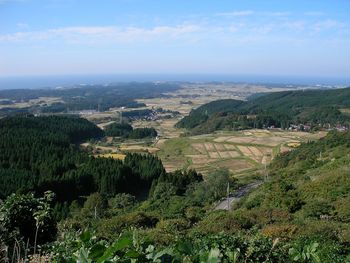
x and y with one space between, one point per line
240 152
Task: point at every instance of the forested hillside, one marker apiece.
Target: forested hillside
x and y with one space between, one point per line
92 97
315 108
299 214
125 130
39 154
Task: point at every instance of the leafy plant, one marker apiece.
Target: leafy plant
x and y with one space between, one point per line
307 253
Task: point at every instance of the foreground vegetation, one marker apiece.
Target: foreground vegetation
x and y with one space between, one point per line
65 206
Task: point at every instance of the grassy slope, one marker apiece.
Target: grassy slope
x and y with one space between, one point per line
309 192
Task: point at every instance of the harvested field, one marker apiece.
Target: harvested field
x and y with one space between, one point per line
284 149
198 159
239 152
209 147
241 140
255 151
138 148
245 150
225 155
219 147
236 165
199 148
118 156
230 147
222 139
214 155
234 154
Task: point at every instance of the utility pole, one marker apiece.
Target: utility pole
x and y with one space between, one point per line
266 173
228 196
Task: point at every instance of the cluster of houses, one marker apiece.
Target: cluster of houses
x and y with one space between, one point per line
307 127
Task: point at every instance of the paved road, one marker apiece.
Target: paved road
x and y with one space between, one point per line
237 195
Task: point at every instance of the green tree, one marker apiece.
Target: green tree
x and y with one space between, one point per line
94 206
27 218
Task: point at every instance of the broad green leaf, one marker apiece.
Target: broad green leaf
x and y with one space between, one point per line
120 244
214 256
82 256
85 236
97 251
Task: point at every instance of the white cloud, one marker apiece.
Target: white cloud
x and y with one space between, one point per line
328 24
276 14
185 33
243 13
21 25
294 25
314 13
109 33
237 13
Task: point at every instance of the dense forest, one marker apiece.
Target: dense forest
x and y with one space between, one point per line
94 211
314 108
125 130
40 153
94 97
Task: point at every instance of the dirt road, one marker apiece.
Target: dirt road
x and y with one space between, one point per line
237 195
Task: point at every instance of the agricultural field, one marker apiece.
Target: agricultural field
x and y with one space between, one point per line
241 152
40 101
118 156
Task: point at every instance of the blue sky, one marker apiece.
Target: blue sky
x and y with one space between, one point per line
261 37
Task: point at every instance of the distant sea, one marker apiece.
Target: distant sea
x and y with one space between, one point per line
71 80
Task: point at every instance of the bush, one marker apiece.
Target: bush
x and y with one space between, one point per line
110 228
22 217
317 208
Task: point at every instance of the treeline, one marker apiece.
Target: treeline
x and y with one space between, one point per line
126 130
137 114
78 98
39 154
315 108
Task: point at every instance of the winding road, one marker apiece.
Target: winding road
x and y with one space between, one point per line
237 195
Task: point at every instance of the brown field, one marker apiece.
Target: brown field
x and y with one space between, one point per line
199 148
219 147
236 165
245 150
240 152
214 155
138 148
230 147
225 155
234 154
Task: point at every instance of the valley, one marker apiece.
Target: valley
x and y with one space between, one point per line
201 164
244 153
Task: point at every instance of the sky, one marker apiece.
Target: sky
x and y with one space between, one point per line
261 37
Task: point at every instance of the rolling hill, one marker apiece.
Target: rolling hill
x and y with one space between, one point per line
315 108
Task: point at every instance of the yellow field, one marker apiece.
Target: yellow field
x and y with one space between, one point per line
118 156
293 144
